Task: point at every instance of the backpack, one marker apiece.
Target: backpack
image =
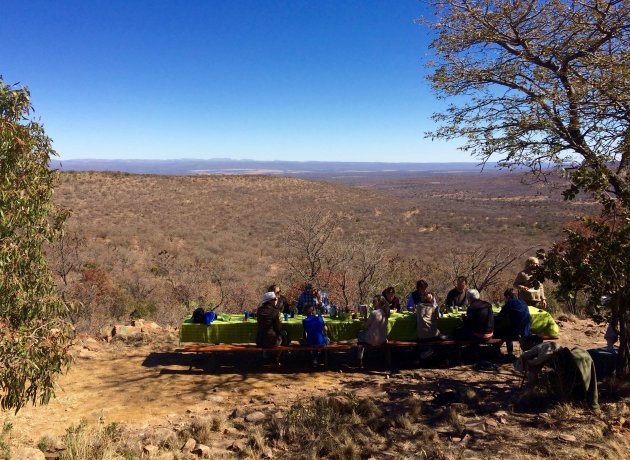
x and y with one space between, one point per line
198 316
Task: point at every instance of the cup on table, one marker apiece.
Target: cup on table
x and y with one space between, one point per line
246 315
292 313
286 316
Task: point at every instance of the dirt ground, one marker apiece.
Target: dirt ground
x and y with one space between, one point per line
147 385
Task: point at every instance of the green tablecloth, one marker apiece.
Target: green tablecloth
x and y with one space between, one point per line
401 326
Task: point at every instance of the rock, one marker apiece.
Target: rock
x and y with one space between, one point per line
202 451
137 323
91 344
150 450
189 445
87 354
106 332
256 417
28 453
236 413
268 453
492 422
151 327
567 437
215 399
125 331
238 446
165 456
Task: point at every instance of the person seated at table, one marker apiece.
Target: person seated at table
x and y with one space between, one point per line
269 333
478 320
427 314
324 301
392 299
282 304
456 297
375 329
529 290
307 297
419 295
314 332
513 321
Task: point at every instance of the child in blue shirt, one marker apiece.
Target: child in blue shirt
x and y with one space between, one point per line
314 329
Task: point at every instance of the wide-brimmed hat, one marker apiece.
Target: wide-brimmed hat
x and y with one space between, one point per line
267 296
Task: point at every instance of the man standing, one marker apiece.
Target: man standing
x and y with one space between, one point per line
530 291
307 297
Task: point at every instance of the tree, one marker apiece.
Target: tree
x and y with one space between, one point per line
34 334
544 82
595 257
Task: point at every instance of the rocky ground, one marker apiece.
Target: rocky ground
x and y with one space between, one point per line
134 396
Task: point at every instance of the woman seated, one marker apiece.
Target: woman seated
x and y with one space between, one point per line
375 332
478 320
513 321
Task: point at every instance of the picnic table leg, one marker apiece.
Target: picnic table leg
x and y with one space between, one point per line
213 362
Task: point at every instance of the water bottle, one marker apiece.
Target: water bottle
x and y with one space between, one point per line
246 315
286 317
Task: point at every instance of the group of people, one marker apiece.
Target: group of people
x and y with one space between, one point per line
479 321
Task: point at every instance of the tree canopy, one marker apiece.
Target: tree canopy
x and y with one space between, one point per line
34 336
544 82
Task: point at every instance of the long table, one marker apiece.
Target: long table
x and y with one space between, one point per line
228 328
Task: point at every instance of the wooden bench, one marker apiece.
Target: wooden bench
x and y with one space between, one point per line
213 350
458 347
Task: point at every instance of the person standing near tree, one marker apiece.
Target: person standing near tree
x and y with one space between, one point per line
529 290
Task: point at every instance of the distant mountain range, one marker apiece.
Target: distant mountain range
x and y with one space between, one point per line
278 168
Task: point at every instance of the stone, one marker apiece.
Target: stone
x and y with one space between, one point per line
492 422
238 446
215 399
150 450
151 327
189 445
137 323
567 437
255 417
268 453
125 331
28 453
202 451
106 332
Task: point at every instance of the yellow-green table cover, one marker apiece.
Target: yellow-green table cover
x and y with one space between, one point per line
401 326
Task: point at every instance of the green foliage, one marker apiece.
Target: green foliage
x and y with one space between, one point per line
595 257
34 336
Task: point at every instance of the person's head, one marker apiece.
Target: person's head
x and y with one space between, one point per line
315 291
309 310
378 301
531 263
308 287
421 285
428 297
472 295
275 289
461 283
389 292
269 298
509 294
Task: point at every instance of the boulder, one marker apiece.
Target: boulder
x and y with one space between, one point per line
189 445
202 451
150 450
151 327
28 453
126 331
255 417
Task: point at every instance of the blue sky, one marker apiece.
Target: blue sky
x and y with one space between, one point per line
326 80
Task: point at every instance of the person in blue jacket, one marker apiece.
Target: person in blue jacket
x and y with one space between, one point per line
314 331
513 321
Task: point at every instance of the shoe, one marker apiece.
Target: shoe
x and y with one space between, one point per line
426 353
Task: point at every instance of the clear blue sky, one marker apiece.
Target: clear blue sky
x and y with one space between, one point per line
323 80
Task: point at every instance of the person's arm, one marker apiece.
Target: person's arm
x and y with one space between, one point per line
410 303
450 299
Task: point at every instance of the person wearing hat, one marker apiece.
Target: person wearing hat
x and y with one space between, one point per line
270 332
529 290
